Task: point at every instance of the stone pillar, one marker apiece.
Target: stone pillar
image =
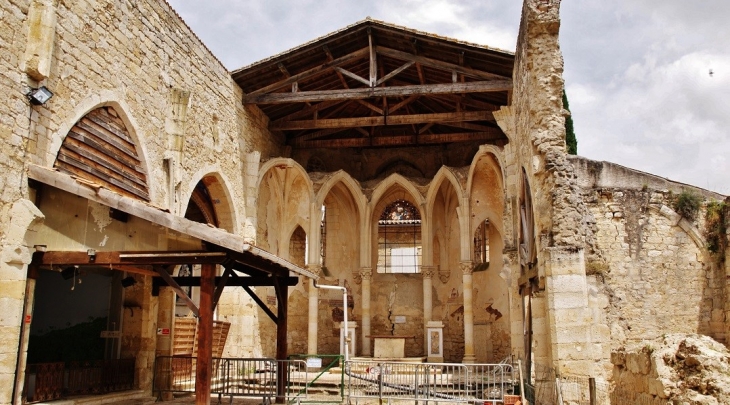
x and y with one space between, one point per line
572 348
313 314
467 269
366 274
427 272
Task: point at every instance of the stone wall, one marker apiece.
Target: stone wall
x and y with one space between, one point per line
176 99
651 274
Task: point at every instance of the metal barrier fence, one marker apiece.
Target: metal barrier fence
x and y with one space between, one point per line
315 378
231 377
452 383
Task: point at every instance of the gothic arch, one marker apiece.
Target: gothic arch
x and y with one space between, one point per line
285 163
385 187
495 153
105 98
342 177
220 192
100 148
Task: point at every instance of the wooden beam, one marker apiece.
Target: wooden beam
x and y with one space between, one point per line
178 291
204 363
373 60
351 75
437 64
394 73
402 104
311 72
330 58
136 208
370 106
251 281
261 304
220 284
396 91
307 110
401 140
405 119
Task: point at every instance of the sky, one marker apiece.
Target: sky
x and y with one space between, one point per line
648 81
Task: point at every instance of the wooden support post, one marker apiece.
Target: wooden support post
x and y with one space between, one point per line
203 371
281 349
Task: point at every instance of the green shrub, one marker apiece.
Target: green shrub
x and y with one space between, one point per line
688 205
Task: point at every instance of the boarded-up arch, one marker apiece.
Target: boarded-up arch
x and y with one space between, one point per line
100 149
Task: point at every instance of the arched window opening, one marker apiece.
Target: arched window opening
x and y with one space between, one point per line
298 246
481 246
399 239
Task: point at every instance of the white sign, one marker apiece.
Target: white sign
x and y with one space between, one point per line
314 362
400 319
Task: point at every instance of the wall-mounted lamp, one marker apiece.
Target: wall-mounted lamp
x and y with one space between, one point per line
40 95
128 282
92 254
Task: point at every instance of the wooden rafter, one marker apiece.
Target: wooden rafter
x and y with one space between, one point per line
491 135
311 72
385 120
437 64
361 93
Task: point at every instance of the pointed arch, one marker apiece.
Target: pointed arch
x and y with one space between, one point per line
99 148
445 174
285 163
104 98
218 187
385 186
342 177
493 152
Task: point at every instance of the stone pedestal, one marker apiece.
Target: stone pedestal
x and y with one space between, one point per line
352 343
435 341
389 347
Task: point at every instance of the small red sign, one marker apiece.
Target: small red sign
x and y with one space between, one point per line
163 331
27 319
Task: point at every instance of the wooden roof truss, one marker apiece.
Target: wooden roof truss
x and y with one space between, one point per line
374 85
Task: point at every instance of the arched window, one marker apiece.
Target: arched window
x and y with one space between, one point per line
399 239
481 246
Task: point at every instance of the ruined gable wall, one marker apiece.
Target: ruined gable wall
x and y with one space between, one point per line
656 277
566 333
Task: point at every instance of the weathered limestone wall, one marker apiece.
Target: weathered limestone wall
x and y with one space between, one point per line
655 276
176 99
566 334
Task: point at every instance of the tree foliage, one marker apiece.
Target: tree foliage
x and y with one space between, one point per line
570 141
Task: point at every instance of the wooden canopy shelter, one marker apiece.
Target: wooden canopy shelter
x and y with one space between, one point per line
245 266
373 84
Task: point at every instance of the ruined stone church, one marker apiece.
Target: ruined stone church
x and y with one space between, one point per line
426 177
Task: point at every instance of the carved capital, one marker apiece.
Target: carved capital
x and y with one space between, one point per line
467 268
365 273
428 271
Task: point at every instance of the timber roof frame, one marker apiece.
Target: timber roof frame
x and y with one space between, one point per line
374 84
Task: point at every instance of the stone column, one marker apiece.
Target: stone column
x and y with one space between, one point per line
467 269
427 272
313 313
366 274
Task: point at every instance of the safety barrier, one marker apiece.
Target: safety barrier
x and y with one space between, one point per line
231 377
452 383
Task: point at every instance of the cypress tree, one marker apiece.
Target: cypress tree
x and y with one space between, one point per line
570 141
